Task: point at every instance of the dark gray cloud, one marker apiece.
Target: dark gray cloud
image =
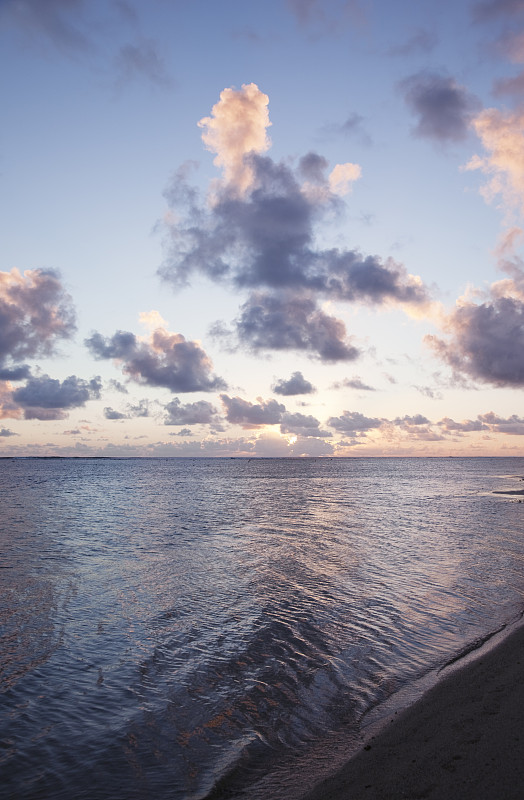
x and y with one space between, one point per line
19 373
35 314
110 413
168 360
265 240
353 383
294 385
302 425
5 432
183 432
198 413
48 398
252 415
353 423
443 107
287 321
140 409
486 342
422 41
117 386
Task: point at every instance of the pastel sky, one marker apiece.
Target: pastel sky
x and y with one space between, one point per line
262 229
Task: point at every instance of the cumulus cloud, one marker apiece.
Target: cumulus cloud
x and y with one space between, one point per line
5 432
294 385
486 341
166 359
252 415
258 233
443 107
285 321
342 176
237 127
302 425
266 240
502 135
353 423
198 413
47 398
35 314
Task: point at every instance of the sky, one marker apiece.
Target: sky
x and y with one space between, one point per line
291 228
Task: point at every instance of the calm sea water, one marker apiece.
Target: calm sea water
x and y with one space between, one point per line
176 628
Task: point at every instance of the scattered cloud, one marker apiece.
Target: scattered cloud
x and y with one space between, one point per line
47 398
501 133
486 342
5 432
237 128
257 233
302 425
35 314
167 360
443 107
353 383
110 413
198 413
354 424
252 415
294 385
290 321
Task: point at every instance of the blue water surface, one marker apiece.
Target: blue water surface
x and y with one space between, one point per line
192 628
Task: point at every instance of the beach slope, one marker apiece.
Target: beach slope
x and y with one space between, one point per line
463 739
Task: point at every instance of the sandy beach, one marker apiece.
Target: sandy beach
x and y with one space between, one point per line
463 739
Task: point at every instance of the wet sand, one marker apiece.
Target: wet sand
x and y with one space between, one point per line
463 740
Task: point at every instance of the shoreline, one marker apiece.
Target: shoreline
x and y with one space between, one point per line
462 739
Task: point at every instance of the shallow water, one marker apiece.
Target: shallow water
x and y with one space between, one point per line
178 628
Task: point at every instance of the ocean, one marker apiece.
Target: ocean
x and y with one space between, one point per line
221 628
